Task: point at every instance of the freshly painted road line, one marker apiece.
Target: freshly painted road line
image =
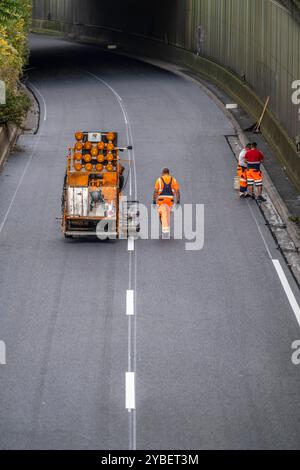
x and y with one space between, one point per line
130 390
130 244
287 288
231 106
128 127
42 98
130 303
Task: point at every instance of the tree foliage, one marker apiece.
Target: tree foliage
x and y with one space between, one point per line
15 16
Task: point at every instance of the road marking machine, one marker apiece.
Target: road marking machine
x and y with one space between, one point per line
92 201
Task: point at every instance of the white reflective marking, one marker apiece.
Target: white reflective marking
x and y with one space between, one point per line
42 98
2 353
130 390
130 302
289 293
129 132
130 244
231 106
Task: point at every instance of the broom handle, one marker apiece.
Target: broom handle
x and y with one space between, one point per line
263 114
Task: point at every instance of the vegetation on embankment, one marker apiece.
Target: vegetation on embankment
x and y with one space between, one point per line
15 18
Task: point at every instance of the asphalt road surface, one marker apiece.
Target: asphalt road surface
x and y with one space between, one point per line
209 344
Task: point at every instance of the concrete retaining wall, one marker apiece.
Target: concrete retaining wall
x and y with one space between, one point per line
277 137
257 39
8 136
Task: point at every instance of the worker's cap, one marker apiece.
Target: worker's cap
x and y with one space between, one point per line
248 146
254 144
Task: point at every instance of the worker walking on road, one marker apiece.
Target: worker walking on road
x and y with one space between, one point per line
242 172
166 188
254 159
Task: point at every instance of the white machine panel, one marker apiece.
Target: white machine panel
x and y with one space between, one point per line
78 200
94 137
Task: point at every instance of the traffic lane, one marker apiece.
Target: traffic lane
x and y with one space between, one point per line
191 140
195 148
214 350
190 154
212 167
163 108
70 296
84 386
67 350
12 172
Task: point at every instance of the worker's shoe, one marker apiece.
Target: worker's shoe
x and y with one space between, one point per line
166 235
261 199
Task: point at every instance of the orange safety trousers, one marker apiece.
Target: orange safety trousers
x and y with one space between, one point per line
242 174
164 210
255 177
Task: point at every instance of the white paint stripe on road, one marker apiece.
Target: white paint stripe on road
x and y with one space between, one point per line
130 377
130 390
129 132
130 244
130 303
287 288
231 106
42 98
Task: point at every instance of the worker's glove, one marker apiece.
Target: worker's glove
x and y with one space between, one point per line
154 203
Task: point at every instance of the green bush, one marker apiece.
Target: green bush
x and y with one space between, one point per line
15 16
17 104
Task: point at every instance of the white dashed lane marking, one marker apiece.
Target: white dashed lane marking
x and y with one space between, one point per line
130 244
130 302
287 288
130 390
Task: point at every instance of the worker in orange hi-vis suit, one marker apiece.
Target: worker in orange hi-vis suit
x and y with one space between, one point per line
254 159
242 172
166 187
